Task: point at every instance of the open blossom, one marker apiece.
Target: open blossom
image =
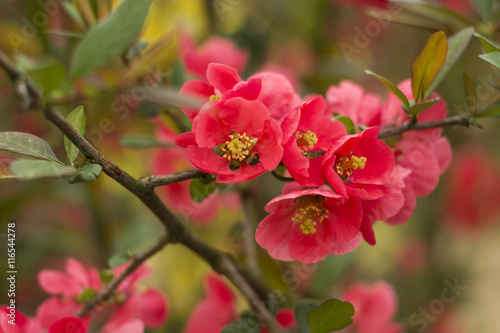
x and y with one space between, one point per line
215 49
236 140
307 130
354 163
309 224
374 308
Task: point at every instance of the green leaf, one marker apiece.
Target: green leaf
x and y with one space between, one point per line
27 144
249 323
484 8
87 173
49 76
78 120
417 109
5 163
492 112
119 259
392 87
488 45
427 64
348 123
475 123
31 169
106 275
110 38
72 12
470 94
200 191
141 142
332 315
493 58
301 310
456 46
177 74
86 295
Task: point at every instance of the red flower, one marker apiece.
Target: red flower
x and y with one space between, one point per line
356 162
215 49
349 99
69 325
375 307
235 139
307 225
285 318
306 129
216 310
21 323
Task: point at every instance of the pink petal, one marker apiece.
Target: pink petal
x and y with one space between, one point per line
273 233
346 247
185 139
130 326
197 90
248 90
222 77
5 327
54 309
21 322
344 219
68 325
153 308
244 116
57 283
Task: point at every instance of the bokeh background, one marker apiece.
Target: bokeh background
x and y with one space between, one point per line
453 234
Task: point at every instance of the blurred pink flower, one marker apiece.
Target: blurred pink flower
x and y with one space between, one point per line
215 49
375 307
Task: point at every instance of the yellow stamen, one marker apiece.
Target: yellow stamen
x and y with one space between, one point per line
310 213
214 98
238 148
346 165
306 140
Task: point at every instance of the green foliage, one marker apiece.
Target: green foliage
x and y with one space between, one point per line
78 120
470 94
31 169
301 309
418 108
427 64
141 142
249 323
456 46
332 315
86 295
106 275
87 173
27 144
199 190
348 123
484 8
48 75
488 45
110 38
493 58
118 259
392 87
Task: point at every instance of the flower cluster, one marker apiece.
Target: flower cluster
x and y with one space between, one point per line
130 309
343 182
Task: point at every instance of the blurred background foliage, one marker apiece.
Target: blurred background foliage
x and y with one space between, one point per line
93 221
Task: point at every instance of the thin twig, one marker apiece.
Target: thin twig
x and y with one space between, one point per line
411 126
162 180
108 291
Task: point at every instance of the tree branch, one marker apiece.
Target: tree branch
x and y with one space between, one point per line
162 180
111 287
414 126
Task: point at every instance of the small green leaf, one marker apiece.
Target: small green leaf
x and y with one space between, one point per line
200 191
106 275
428 63
493 58
456 46
348 123
48 75
31 169
475 123
5 163
484 8
249 323
492 112
119 259
110 38
27 144
137 142
72 12
332 315
470 94
301 310
392 87
178 74
417 109
86 295
488 45
78 120
87 173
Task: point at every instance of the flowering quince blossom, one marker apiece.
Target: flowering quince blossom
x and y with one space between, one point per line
307 130
374 307
215 49
236 140
309 224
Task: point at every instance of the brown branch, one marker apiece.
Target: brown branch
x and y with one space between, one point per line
221 262
414 126
162 180
108 291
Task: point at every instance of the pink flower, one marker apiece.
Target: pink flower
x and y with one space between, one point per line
285 318
309 224
357 162
54 309
215 49
21 323
349 99
223 83
69 325
306 130
217 309
235 139
375 307
472 197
